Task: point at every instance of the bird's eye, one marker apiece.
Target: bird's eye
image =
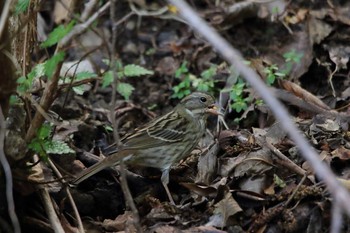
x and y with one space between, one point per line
203 99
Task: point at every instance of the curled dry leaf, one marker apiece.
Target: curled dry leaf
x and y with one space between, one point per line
254 163
302 93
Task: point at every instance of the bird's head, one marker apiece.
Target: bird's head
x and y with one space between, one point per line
199 103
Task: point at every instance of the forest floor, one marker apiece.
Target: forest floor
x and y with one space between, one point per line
249 177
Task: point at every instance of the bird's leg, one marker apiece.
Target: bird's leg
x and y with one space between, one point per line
165 182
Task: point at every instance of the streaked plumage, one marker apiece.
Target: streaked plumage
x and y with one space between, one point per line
163 141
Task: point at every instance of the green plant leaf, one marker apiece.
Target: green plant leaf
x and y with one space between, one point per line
38 71
25 83
278 181
181 70
57 147
125 89
51 64
270 79
280 74
239 105
120 75
79 90
293 56
107 79
44 132
119 65
135 70
108 128
14 100
209 73
237 90
36 146
57 34
85 75
259 102
203 87
21 6
106 61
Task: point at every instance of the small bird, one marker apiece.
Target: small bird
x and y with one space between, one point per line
164 141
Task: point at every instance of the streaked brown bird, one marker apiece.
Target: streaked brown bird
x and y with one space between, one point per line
164 141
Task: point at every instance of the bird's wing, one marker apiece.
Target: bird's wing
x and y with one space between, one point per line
170 128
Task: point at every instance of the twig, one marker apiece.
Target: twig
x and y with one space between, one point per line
75 66
75 83
285 160
48 204
128 197
158 12
232 56
80 28
162 13
70 198
89 8
113 67
295 190
25 44
8 177
42 111
123 181
45 103
50 211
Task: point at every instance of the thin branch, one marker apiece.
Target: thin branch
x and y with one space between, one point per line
296 190
141 12
4 15
50 211
113 66
233 57
8 177
80 28
128 197
89 8
123 181
289 164
70 197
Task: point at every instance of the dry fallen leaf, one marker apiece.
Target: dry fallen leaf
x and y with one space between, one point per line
224 209
207 165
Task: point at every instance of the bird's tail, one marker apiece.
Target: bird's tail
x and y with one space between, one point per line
90 171
109 161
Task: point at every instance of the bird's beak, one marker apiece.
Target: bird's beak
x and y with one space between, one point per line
213 109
